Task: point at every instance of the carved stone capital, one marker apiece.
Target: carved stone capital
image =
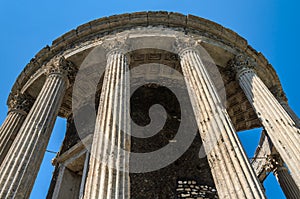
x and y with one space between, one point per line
183 44
21 103
274 162
118 44
63 67
242 63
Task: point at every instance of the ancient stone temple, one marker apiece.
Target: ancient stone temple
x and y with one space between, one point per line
153 102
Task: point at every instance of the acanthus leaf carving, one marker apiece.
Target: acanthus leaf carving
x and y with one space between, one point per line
62 66
182 44
274 161
21 102
240 62
116 44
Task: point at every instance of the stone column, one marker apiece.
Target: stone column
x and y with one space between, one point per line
108 175
280 127
283 177
231 170
19 171
291 113
84 175
19 106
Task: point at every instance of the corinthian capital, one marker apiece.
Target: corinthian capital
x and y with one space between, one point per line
61 66
274 162
116 44
20 102
182 44
240 62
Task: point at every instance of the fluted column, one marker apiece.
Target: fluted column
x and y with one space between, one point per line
291 113
279 125
18 172
18 109
232 173
108 175
285 180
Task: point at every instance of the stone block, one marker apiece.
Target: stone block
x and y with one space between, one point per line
58 47
57 41
116 21
197 23
158 18
70 36
21 79
139 18
33 65
177 20
241 42
83 30
43 52
28 69
100 25
185 195
252 52
262 58
228 34
214 28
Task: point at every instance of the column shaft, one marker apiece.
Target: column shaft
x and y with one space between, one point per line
287 183
232 173
280 127
18 172
291 113
19 106
108 175
9 130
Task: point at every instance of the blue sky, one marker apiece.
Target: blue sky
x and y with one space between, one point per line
270 26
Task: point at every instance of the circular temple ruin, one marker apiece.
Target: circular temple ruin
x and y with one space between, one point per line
153 102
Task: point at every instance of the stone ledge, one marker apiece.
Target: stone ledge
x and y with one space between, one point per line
158 18
177 19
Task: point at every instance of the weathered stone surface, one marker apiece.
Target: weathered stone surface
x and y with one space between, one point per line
174 20
70 36
19 106
260 160
139 18
279 125
117 21
158 18
161 183
18 174
225 153
83 30
190 189
221 43
108 175
177 20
